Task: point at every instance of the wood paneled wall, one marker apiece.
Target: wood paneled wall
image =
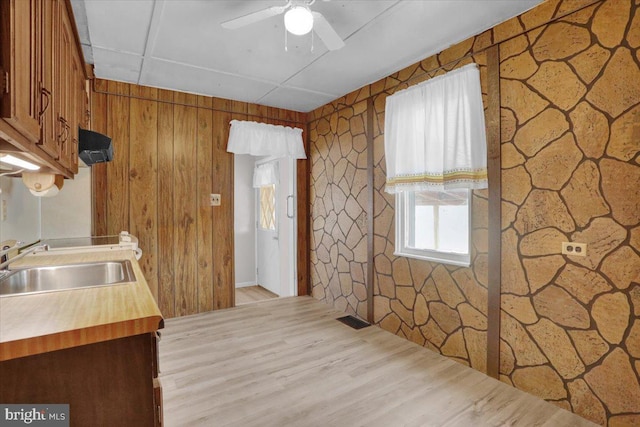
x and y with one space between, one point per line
170 154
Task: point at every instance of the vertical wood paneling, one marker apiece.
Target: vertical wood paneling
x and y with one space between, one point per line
256 110
239 107
205 215
223 267
143 185
118 170
99 171
185 206
302 209
171 154
166 296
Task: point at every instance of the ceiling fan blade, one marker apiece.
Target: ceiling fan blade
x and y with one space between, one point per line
325 31
250 18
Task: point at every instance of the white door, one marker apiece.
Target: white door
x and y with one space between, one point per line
287 231
276 231
268 248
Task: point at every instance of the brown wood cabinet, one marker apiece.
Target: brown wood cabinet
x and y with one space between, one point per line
110 383
48 136
20 103
45 97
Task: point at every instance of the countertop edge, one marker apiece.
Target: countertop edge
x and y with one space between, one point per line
78 337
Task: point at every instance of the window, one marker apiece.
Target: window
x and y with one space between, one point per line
268 207
436 153
434 225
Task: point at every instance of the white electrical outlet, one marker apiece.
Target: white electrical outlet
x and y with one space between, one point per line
215 200
573 248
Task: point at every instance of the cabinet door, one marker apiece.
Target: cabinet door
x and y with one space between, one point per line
77 103
49 24
20 104
64 86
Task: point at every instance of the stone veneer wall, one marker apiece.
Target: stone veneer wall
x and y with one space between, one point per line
442 307
338 196
570 102
570 141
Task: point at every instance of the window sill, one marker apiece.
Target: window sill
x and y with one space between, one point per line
460 260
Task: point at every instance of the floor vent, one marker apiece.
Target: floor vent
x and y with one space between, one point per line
353 322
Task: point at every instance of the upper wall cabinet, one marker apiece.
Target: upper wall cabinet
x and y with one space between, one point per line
44 96
21 66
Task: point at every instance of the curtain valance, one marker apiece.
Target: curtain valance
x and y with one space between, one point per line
265 174
261 139
435 134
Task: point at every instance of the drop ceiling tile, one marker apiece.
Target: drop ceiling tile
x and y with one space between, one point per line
427 27
188 50
296 99
184 78
118 74
117 65
120 25
193 35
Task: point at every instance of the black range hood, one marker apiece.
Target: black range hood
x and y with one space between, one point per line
94 147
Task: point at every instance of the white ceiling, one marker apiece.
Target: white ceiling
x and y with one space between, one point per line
180 45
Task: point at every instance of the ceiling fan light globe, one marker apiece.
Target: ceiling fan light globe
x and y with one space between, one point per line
298 20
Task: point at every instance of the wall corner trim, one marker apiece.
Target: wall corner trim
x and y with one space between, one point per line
495 195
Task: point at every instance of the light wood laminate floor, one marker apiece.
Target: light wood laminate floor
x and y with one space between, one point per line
288 362
249 294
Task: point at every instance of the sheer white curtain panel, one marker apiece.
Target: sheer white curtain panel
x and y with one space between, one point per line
435 134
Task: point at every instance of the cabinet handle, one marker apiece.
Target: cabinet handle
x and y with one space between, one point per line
67 131
47 97
64 131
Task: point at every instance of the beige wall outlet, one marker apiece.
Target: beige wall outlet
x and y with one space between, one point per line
573 248
215 200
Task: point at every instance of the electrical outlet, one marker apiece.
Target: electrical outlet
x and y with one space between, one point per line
573 248
215 200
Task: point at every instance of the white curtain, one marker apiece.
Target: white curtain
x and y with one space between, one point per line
265 174
261 139
435 134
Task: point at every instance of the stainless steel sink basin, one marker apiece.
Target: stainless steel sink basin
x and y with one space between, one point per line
70 276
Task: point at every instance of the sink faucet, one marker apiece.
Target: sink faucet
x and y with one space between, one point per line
4 253
4 266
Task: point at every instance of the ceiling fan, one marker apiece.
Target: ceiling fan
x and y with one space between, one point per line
298 20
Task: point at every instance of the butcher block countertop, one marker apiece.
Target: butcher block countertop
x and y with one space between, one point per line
39 323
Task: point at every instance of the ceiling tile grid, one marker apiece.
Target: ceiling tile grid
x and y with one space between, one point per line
181 45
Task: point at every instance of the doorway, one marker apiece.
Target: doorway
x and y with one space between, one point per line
265 229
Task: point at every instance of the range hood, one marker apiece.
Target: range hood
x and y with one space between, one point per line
94 147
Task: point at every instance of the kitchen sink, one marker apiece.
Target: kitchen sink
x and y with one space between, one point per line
32 280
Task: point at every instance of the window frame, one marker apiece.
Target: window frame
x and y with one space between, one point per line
403 250
275 208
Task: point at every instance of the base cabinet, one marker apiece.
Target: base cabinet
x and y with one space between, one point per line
112 383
